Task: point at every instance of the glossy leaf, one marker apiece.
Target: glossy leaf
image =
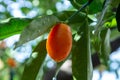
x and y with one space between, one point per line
13 26
36 28
105 45
81 55
34 64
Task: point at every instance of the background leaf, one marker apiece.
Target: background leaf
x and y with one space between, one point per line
32 67
105 45
13 26
63 16
94 7
36 28
81 56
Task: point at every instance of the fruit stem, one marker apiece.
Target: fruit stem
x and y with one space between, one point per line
57 70
55 77
80 9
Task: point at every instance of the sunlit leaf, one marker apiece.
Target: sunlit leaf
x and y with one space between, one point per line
105 45
107 24
36 28
13 26
81 56
34 64
113 22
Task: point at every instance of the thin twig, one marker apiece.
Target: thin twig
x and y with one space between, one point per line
77 11
57 70
100 20
80 9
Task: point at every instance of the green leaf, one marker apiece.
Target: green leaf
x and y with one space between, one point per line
115 3
75 4
114 34
63 16
105 45
79 18
81 56
36 28
96 42
34 64
111 24
25 10
47 5
94 7
13 26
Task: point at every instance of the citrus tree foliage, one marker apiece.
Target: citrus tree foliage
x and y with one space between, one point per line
93 27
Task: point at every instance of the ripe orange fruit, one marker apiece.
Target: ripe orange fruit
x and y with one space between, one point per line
11 62
59 42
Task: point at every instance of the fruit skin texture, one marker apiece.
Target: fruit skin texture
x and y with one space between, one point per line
59 42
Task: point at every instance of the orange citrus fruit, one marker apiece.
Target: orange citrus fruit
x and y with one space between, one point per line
59 42
11 62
